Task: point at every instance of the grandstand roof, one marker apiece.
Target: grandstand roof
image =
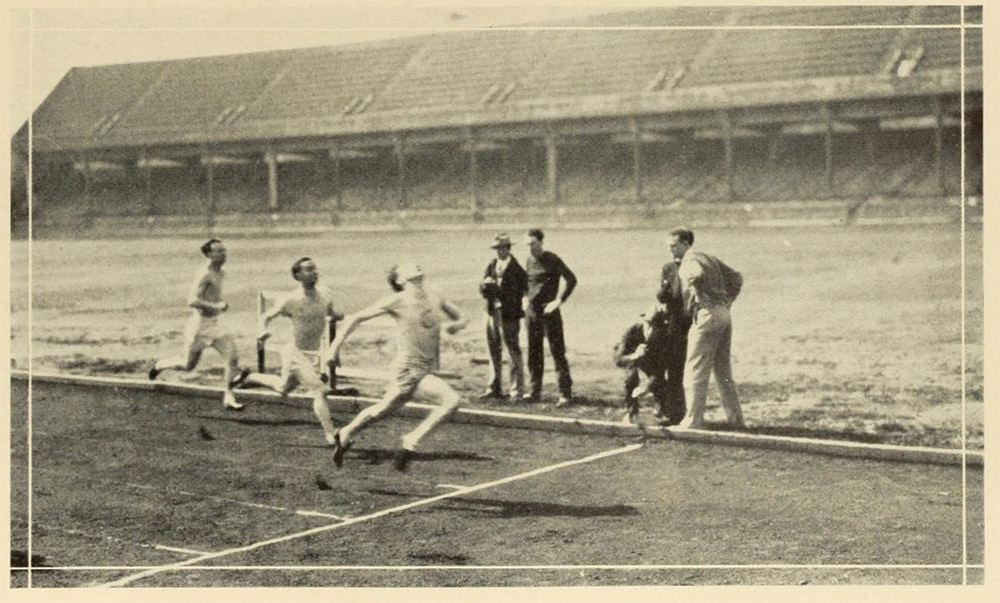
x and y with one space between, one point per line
656 60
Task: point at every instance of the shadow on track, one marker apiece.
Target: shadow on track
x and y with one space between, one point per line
377 456
507 509
249 421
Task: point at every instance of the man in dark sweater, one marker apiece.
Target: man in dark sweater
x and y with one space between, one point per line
550 283
503 286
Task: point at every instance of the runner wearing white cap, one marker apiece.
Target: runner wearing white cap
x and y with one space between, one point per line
418 313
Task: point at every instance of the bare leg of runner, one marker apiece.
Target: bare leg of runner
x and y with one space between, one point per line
433 387
177 363
272 382
322 412
392 399
227 349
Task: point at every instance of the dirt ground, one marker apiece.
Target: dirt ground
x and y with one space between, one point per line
125 479
851 332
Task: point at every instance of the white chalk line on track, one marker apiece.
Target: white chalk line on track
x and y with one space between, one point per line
234 501
242 503
363 518
82 534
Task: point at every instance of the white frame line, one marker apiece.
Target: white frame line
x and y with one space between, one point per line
31 269
963 361
962 26
296 568
433 30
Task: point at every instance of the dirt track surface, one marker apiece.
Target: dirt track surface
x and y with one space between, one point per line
852 332
116 473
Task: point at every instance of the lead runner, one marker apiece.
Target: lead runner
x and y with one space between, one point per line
417 311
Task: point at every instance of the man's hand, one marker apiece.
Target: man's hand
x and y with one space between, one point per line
263 335
552 306
221 307
453 327
639 352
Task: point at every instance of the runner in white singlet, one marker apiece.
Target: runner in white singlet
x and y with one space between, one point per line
203 330
418 312
308 308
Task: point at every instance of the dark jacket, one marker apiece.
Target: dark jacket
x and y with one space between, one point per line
655 360
512 288
669 294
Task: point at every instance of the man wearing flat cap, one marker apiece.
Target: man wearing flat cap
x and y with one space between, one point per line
504 284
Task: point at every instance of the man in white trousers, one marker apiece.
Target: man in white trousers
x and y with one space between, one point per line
708 287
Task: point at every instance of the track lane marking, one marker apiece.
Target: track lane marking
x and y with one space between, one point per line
242 503
174 549
115 539
172 491
362 518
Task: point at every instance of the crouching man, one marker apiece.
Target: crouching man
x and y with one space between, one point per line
644 350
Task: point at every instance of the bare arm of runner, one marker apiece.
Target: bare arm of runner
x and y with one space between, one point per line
350 322
197 298
267 317
458 319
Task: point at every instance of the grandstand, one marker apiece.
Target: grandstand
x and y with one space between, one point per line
686 115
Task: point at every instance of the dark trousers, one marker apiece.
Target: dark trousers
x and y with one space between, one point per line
657 385
505 333
666 376
672 404
541 327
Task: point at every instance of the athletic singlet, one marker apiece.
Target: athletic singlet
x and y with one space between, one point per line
308 316
207 287
419 321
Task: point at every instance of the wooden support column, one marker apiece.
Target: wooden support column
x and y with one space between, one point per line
828 148
524 158
773 144
401 192
147 176
88 202
938 145
636 159
473 175
552 166
210 188
871 139
727 143
338 194
271 157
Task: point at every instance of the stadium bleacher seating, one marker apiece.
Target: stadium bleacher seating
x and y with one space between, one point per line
459 69
199 92
92 106
481 75
325 81
596 62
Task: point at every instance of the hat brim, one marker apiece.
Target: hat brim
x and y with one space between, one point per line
499 245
